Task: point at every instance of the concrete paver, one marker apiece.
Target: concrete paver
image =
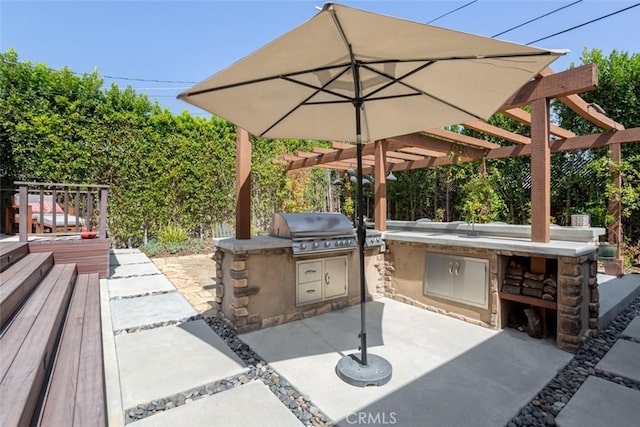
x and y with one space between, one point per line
131 286
599 403
615 295
161 362
441 366
124 258
223 409
130 270
633 329
149 310
622 360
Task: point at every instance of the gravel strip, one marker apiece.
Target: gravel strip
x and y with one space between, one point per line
157 325
146 294
548 403
300 405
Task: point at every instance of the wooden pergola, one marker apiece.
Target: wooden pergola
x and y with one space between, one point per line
438 147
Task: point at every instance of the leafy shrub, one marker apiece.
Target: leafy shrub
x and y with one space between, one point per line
152 248
173 235
155 248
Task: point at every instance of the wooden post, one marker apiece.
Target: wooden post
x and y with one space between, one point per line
540 172
482 170
614 211
243 185
25 218
380 206
102 227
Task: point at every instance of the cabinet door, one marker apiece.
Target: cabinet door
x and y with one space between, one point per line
335 277
470 281
438 277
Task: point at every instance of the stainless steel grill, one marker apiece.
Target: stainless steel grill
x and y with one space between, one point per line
315 232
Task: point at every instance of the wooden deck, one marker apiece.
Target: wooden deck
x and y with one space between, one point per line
51 369
90 255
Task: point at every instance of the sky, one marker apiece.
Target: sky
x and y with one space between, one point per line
163 47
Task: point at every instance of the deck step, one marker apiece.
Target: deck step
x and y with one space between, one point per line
17 282
29 343
12 252
75 395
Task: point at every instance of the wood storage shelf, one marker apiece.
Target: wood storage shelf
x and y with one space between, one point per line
537 302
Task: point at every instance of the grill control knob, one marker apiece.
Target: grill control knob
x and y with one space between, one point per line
303 246
315 244
327 244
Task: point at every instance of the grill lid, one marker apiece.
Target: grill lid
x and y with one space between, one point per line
305 225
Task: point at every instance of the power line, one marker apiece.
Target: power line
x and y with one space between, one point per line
535 19
144 80
586 23
452 11
161 88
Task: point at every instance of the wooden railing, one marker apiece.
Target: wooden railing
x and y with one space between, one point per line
83 209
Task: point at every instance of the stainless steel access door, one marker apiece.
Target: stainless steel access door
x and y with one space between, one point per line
456 278
335 277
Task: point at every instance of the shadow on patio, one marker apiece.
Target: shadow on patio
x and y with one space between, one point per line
446 372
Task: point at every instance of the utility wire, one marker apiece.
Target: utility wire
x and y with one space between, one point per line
583 24
535 19
454 10
144 80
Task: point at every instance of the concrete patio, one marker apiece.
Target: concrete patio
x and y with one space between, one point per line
447 372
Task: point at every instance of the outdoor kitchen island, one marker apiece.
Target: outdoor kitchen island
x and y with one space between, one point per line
487 274
308 266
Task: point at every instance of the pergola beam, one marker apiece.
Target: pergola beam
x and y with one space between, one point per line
582 108
518 114
576 80
497 132
459 138
416 140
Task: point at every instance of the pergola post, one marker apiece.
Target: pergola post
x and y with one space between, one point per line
243 184
540 172
614 212
380 206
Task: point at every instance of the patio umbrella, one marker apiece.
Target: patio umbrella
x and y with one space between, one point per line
352 75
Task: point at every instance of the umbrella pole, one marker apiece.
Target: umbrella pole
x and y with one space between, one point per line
362 234
369 369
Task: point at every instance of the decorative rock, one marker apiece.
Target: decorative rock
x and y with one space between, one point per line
552 399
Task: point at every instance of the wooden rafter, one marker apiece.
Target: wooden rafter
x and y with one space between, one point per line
422 152
402 156
522 116
459 138
497 132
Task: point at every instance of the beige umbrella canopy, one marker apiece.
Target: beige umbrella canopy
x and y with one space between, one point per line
352 75
411 77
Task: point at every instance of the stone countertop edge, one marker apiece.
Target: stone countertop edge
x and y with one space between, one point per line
573 234
554 247
255 243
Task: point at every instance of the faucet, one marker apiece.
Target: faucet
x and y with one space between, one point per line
472 232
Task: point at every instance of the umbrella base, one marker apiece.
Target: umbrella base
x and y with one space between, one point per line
376 372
